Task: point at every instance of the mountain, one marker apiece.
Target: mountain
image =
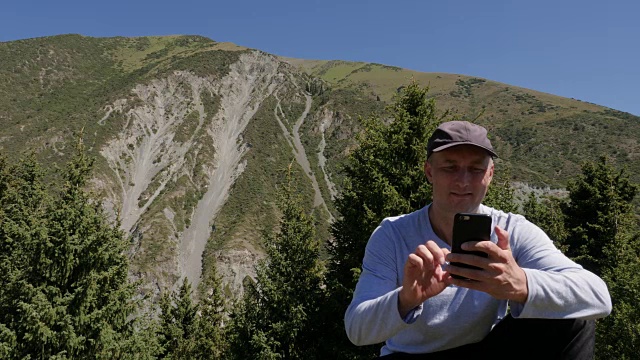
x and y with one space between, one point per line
192 137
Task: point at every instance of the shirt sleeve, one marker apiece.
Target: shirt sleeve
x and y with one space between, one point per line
558 287
373 317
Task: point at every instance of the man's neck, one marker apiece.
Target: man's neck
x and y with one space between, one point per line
442 223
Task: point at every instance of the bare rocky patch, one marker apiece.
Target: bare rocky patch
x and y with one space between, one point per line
147 159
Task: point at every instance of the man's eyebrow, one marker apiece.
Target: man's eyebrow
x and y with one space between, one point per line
480 162
449 161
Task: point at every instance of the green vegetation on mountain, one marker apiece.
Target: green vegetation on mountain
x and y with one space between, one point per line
53 86
56 85
543 137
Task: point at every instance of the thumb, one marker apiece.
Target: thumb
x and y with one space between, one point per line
503 238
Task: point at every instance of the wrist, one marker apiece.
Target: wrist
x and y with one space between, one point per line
523 294
404 304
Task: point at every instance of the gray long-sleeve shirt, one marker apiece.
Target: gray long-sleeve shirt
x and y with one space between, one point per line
558 289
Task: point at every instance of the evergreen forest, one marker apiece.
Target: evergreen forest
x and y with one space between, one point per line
66 292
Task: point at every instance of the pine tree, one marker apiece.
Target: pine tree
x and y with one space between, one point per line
190 330
178 323
23 201
66 293
603 236
599 214
384 176
278 316
212 309
597 224
618 335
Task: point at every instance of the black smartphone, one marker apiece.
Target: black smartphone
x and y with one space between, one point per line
469 227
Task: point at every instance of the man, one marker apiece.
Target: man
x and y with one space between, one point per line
407 298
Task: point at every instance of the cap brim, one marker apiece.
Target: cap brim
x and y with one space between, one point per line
444 147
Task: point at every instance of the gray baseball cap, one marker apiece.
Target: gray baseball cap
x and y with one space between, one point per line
454 133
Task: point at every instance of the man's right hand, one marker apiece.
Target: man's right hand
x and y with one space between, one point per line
423 277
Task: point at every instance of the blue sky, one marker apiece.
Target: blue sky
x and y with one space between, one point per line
588 50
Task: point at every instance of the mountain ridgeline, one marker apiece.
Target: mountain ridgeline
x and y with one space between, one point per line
192 137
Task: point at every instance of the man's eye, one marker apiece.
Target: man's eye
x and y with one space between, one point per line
478 170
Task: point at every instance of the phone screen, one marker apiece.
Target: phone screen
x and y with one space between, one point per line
469 227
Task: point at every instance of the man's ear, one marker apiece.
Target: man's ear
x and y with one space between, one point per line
427 171
491 168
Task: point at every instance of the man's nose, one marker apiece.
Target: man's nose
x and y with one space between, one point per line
463 177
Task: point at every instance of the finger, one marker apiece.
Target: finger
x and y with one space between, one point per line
444 277
414 261
441 271
484 246
471 274
503 238
436 251
468 283
426 256
469 259
447 279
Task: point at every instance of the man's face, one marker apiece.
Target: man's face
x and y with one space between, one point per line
460 177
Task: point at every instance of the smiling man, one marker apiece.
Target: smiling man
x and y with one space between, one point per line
526 300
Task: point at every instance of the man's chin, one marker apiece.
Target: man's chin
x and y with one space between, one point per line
465 207
455 207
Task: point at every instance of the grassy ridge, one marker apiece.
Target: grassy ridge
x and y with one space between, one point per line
543 137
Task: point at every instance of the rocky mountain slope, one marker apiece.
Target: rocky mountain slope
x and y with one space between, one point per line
192 137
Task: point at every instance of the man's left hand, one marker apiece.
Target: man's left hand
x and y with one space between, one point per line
499 274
